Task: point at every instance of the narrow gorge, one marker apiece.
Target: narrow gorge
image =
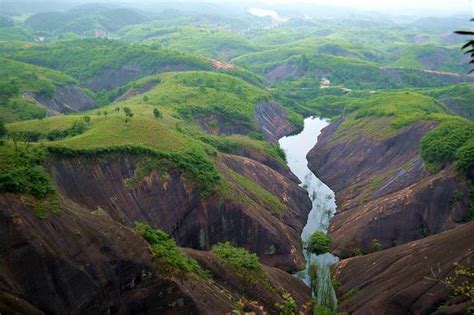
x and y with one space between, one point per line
323 208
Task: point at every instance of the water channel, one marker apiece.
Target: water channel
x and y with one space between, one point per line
296 148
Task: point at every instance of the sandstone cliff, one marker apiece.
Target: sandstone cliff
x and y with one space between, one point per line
80 261
407 279
383 190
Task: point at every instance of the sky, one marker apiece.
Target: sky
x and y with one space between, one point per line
442 6
412 7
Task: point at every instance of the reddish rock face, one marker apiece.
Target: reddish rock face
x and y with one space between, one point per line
66 99
273 121
271 118
175 205
383 191
402 280
279 280
78 262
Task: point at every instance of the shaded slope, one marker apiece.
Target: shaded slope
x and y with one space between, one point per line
405 279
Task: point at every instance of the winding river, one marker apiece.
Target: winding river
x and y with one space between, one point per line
296 148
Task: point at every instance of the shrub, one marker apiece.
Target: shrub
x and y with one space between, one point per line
128 114
156 113
440 146
376 245
288 306
25 175
465 159
238 258
77 128
3 129
172 259
319 243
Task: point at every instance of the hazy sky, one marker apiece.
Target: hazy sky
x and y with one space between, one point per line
461 6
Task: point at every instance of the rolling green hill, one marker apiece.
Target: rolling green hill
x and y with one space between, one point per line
429 57
223 45
17 78
84 20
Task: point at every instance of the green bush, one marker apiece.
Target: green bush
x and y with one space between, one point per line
465 159
172 259
376 245
288 306
319 243
3 130
441 145
23 173
238 258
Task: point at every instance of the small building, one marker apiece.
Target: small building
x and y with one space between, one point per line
325 82
100 33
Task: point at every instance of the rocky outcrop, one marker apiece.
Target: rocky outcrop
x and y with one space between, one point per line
271 118
285 71
66 99
112 78
83 262
78 262
402 76
406 279
175 205
279 281
382 189
217 124
273 121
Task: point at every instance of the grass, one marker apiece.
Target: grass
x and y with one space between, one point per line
270 200
245 265
171 259
17 78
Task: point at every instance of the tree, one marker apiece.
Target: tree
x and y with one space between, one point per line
319 243
105 114
128 114
3 131
156 113
14 136
86 119
117 109
469 45
145 98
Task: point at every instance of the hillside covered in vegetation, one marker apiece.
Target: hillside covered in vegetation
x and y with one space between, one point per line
141 169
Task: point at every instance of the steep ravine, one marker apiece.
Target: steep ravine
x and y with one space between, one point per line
406 222
175 205
323 208
82 262
383 190
88 258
